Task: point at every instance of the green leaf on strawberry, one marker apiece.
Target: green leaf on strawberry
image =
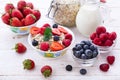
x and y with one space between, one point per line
47 34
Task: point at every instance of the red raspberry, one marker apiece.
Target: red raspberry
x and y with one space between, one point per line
110 59
46 25
42 30
66 42
108 43
104 67
97 41
68 36
93 36
100 29
112 36
103 36
44 46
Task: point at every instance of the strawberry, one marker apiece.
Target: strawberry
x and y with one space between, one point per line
15 22
20 48
23 21
55 31
30 19
27 10
66 42
112 36
34 30
21 4
93 36
108 43
29 4
68 36
61 29
104 67
6 18
9 7
46 25
103 36
17 13
110 59
37 14
100 29
42 30
28 64
46 71
103 1
44 46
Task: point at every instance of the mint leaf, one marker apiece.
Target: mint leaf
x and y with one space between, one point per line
47 34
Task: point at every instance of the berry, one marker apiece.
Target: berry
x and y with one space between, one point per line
100 29
55 31
56 38
9 7
55 26
66 42
88 43
69 68
56 46
29 4
20 48
77 54
68 36
92 47
93 36
15 22
97 41
103 1
83 71
37 14
6 18
27 10
112 36
104 67
34 30
108 43
83 56
44 46
78 47
46 25
28 64
30 19
46 71
63 30
88 53
21 4
110 59
103 36
86 47
34 42
94 54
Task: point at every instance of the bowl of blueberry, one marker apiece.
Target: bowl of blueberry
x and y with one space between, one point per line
85 53
51 41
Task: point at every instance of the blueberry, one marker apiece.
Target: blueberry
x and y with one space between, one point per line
95 53
77 54
81 51
55 26
34 42
84 42
88 43
74 49
56 38
83 71
92 47
88 53
86 47
69 68
83 56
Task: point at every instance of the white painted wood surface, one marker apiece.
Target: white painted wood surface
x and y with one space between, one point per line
11 63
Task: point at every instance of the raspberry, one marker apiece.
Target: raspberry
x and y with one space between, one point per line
103 36
97 41
66 42
44 46
68 36
46 25
42 29
110 59
104 67
100 29
108 43
93 36
112 36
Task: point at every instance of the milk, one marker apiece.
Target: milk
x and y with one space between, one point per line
88 18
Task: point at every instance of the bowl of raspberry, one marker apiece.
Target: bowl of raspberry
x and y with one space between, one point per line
21 18
85 53
51 41
104 40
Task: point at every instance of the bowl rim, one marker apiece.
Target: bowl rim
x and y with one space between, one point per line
73 39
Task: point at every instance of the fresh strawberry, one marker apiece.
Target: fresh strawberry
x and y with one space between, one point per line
103 1
6 18
37 14
9 7
61 29
30 19
66 42
55 31
103 36
46 71
23 21
27 10
34 30
112 36
100 29
68 36
108 43
20 48
15 22
17 13
44 46
46 25
21 4
29 4
28 64
93 36
97 41
104 67
42 30
110 59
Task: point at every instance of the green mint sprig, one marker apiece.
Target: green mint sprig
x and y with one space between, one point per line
47 34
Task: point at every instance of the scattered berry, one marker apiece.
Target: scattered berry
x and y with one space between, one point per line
28 64
110 59
69 68
20 48
104 67
44 46
83 71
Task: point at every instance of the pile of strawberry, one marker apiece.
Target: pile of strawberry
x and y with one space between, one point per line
103 38
22 15
53 38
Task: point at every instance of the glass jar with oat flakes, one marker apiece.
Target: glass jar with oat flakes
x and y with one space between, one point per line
64 12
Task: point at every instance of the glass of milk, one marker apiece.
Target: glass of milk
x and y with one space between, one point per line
89 17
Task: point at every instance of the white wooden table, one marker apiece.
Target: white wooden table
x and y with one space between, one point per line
11 67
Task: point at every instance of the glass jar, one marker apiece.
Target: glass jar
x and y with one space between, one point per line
64 12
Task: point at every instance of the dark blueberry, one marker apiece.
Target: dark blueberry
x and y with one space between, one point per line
81 51
95 53
79 47
69 68
34 42
88 43
74 49
77 54
88 53
83 71
55 26
92 47
56 38
83 42
83 56
86 47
